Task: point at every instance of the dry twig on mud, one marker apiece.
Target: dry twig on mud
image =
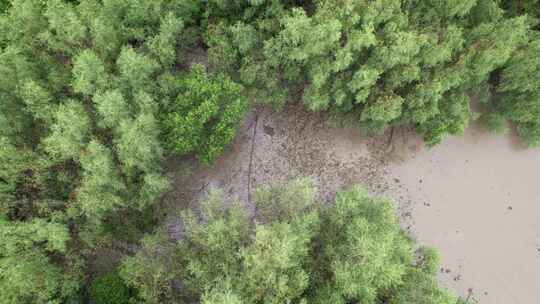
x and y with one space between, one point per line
251 155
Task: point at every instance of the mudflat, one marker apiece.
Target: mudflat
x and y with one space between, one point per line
477 200
476 197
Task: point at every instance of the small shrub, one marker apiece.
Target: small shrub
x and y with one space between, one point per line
110 289
4 5
204 117
494 122
130 225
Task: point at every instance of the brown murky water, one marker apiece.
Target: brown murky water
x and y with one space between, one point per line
477 200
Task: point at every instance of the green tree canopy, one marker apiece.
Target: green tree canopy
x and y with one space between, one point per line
82 97
294 250
27 273
381 63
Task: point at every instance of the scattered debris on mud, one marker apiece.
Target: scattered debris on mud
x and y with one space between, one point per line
277 146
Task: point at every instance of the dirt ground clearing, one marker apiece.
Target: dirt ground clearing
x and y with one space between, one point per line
475 197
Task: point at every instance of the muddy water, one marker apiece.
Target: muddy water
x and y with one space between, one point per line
477 200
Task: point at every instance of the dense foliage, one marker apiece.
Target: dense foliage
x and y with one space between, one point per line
84 86
4 4
294 251
205 115
518 94
381 62
110 289
517 90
